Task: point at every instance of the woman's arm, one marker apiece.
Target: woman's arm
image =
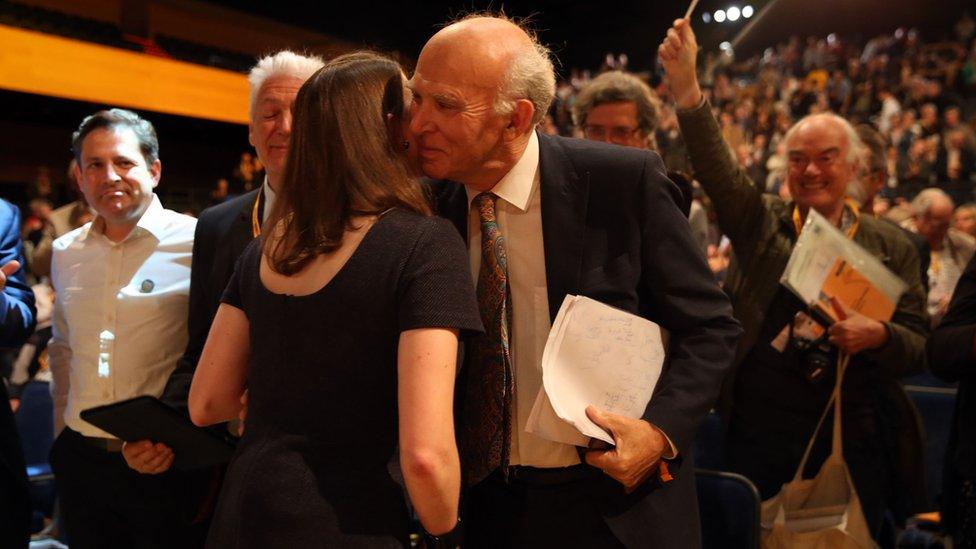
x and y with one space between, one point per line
426 366
215 394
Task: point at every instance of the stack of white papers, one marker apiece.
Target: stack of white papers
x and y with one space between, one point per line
825 263
597 355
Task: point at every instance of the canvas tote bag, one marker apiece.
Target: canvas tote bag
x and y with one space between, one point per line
823 512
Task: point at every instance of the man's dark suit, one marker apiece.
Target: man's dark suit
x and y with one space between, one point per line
222 233
612 232
17 317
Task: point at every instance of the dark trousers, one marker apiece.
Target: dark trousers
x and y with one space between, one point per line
499 514
15 507
106 504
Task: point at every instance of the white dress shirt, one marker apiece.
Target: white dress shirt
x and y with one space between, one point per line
519 215
120 313
269 199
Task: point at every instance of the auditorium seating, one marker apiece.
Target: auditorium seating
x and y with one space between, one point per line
707 448
35 424
728 507
935 405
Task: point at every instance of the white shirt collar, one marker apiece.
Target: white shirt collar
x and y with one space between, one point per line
152 221
517 186
269 199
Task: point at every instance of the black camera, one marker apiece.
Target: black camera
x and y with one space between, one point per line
815 355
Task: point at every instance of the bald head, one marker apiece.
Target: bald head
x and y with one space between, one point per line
481 86
932 209
479 49
823 153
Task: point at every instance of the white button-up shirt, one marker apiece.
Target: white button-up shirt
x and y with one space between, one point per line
120 313
519 215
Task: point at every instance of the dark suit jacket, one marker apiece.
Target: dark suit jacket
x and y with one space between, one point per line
222 233
17 299
612 232
17 317
951 357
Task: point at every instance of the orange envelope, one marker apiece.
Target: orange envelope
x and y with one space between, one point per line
848 286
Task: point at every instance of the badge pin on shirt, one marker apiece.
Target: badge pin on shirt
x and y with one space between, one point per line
147 286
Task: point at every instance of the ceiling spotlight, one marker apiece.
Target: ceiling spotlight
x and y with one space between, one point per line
707 17
747 11
732 13
725 46
719 16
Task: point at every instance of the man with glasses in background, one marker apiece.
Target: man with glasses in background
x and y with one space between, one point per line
619 108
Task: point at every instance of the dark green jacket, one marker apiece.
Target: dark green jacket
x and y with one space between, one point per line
760 227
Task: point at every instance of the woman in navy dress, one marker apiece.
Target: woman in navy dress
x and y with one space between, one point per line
342 323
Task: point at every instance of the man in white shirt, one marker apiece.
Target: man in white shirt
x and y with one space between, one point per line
122 284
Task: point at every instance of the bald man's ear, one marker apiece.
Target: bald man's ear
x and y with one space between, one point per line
520 121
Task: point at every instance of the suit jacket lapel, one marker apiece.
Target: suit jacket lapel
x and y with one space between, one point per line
564 198
450 201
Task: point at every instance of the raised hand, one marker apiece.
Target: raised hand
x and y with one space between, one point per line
677 54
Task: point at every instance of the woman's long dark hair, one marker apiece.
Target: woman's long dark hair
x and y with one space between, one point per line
345 159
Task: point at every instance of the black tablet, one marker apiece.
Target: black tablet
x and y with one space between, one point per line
147 417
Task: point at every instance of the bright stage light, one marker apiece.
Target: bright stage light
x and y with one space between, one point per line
719 16
707 17
725 46
747 11
732 13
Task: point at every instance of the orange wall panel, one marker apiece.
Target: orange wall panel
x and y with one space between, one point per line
43 64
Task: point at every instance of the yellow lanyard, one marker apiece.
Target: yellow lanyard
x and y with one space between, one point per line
255 221
798 219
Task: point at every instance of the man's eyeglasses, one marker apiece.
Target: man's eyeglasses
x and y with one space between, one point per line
615 134
822 162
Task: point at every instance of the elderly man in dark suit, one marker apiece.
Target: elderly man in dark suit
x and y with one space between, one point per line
545 217
17 315
223 231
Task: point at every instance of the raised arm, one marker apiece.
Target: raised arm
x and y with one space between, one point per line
736 199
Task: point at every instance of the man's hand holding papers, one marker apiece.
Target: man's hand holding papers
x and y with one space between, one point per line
856 332
600 368
638 448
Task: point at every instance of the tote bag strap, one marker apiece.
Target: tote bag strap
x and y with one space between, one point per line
837 445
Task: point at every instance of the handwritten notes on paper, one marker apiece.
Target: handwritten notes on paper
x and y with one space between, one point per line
597 355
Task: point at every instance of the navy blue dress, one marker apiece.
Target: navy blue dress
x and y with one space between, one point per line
311 469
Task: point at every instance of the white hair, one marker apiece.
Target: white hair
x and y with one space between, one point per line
531 76
283 63
927 198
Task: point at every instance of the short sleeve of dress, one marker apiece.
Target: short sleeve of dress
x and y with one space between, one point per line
234 292
436 289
